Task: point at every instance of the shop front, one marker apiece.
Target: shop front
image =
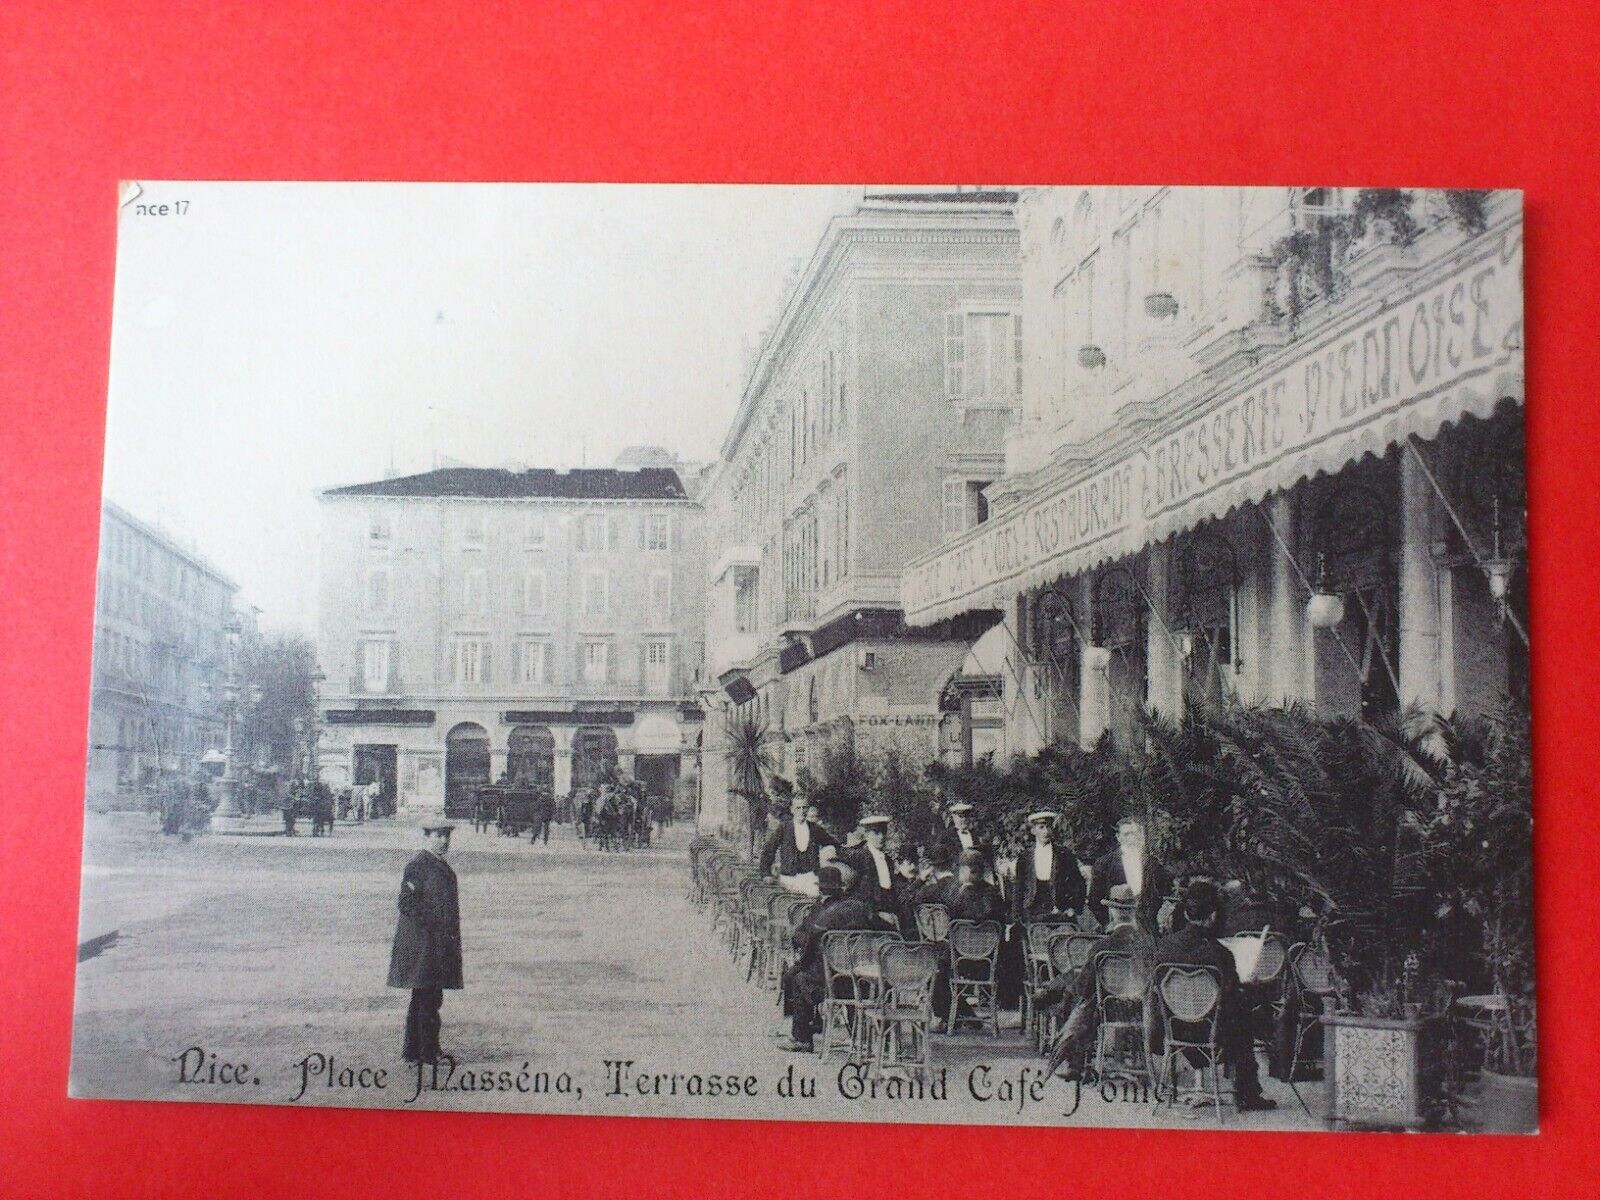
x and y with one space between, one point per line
1340 525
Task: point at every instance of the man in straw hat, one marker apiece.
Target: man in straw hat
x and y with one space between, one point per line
427 941
1076 994
1050 882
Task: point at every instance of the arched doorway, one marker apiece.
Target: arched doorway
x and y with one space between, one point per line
466 766
594 752
531 756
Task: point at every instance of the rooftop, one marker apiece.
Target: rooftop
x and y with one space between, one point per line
497 483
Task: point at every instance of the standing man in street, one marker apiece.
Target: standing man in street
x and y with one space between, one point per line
427 941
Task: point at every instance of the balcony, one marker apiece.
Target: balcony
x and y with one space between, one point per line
799 613
748 557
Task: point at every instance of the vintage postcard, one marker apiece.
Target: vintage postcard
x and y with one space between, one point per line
972 654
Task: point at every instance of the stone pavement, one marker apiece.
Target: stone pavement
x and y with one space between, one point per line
264 958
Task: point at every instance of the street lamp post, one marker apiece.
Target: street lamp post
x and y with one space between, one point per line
227 810
314 727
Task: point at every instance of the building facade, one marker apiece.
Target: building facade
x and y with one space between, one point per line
539 623
872 421
1270 449
160 656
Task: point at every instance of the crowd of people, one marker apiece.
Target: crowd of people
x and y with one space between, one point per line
1126 896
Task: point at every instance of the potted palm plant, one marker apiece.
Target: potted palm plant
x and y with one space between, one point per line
750 766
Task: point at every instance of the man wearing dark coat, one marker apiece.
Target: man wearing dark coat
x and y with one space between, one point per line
1049 881
975 898
795 846
427 941
1196 945
960 838
875 879
1130 863
805 982
940 886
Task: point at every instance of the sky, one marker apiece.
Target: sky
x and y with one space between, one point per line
272 339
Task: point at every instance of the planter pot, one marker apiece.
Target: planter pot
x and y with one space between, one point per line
1373 1070
1161 306
1505 1104
1091 358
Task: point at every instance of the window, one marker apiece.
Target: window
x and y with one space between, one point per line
533 532
596 599
379 529
596 657
531 654
378 590
471 660
661 595
475 591
592 533
375 665
657 662
472 529
658 535
964 505
983 356
533 597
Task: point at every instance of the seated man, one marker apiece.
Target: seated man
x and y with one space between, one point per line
1196 945
906 883
1077 996
805 982
975 898
940 886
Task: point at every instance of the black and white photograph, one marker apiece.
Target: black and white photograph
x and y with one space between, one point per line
959 655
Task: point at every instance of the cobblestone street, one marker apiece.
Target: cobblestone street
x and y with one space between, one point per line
265 950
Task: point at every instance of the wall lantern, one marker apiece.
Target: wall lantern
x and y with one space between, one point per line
1499 568
1325 608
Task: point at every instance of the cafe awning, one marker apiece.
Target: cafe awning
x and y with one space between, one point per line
1450 347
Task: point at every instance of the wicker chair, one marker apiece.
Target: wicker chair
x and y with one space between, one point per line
1312 977
1037 970
933 922
899 1025
1119 988
841 1010
974 956
1189 1004
1070 953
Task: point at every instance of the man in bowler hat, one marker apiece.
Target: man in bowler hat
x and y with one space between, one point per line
427 941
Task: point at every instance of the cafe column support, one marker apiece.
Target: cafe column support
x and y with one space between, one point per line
1418 660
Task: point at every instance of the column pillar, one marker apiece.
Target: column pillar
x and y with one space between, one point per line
562 779
1286 641
1419 662
1166 662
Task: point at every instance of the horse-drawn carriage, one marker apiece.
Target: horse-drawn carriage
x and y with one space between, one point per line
511 810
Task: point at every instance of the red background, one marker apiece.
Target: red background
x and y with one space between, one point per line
1457 94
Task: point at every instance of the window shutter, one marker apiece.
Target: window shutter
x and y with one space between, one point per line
1016 351
392 661
612 530
485 675
955 357
644 523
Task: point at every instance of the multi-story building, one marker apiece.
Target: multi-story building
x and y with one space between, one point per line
540 622
871 423
1271 447
160 645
